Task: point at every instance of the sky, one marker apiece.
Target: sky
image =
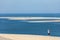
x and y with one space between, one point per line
29 6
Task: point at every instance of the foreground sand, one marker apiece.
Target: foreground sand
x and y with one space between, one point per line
26 37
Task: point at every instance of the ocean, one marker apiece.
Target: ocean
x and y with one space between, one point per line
22 27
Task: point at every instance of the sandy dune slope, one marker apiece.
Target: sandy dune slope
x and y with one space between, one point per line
26 37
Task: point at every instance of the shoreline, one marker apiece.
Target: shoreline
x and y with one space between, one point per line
26 37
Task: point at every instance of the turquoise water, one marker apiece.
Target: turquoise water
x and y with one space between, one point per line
22 27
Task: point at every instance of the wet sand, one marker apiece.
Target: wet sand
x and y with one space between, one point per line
26 37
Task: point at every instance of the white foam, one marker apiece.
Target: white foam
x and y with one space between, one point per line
29 18
41 21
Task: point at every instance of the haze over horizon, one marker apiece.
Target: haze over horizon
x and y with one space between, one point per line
29 6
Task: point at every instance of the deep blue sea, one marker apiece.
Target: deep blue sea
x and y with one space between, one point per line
20 27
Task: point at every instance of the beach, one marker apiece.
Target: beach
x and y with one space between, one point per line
26 37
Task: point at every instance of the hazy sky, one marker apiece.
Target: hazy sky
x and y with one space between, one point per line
29 6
